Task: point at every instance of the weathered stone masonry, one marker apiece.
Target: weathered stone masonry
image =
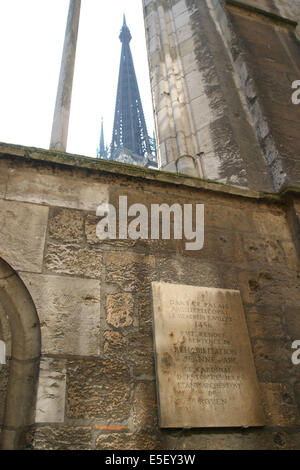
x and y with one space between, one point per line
221 74
96 385
75 312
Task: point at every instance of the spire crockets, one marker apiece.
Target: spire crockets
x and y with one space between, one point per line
130 140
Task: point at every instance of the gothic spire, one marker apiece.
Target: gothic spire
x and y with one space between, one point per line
101 152
130 134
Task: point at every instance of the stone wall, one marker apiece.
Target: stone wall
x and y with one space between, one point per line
199 114
221 75
270 51
285 8
96 386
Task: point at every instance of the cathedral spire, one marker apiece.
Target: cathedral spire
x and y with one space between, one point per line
130 140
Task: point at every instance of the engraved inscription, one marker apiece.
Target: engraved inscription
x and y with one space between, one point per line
205 369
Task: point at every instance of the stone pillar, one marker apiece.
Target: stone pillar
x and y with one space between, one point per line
187 99
203 125
170 47
61 117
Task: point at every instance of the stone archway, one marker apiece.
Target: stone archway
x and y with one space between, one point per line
16 301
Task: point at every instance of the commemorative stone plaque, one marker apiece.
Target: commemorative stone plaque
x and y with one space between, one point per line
205 371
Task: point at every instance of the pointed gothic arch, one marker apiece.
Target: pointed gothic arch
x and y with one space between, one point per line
25 357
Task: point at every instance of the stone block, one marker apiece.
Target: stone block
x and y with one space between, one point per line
220 245
69 313
140 355
179 8
193 81
291 255
114 343
261 288
247 439
265 322
273 360
144 312
279 404
119 310
130 271
66 225
128 441
292 316
271 224
99 389
58 438
3 177
263 250
22 235
50 406
73 259
92 239
297 394
228 218
56 190
177 270
145 407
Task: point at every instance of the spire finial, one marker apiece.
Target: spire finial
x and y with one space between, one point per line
125 35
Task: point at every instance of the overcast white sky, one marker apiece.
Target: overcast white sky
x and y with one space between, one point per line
31 41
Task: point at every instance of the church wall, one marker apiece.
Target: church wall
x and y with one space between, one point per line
286 8
272 53
226 69
97 387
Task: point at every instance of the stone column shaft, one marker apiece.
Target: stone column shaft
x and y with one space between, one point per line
61 117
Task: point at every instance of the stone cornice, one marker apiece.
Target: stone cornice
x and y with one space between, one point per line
22 153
